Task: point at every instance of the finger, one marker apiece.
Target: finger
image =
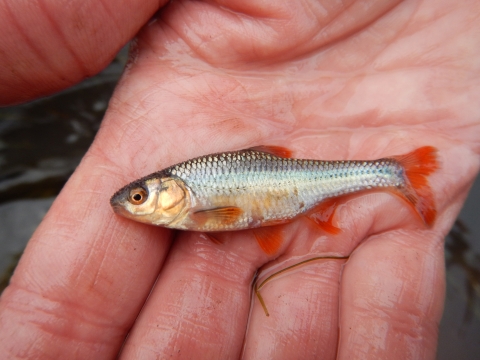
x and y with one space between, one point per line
303 302
250 31
49 45
201 301
392 297
393 287
303 315
84 274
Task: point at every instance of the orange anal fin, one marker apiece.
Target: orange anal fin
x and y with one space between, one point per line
322 216
279 151
418 164
269 238
221 215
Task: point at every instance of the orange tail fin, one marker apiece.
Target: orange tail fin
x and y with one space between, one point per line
418 165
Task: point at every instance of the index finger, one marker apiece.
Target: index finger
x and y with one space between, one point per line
49 45
84 275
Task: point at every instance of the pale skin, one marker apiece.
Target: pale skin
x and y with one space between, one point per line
358 80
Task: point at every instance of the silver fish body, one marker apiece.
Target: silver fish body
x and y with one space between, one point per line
271 189
249 189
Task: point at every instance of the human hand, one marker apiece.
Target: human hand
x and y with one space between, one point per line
360 82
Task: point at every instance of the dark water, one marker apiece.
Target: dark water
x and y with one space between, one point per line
42 142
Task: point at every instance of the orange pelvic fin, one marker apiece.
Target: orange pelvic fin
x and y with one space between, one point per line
418 164
279 151
322 216
269 238
221 215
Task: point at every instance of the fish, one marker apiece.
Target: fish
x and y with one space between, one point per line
264 186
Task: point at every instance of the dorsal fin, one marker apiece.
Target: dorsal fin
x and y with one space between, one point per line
279 151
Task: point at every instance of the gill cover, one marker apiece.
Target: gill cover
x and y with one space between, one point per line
172 199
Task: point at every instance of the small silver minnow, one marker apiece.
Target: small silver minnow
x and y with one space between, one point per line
263 186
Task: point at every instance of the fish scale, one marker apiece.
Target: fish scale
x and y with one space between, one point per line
270 188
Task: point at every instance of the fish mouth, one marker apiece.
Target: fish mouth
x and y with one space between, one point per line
117 208
118 198
116 202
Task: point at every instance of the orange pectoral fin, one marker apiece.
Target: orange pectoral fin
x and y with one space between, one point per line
322 216
269 238
218 216
279 151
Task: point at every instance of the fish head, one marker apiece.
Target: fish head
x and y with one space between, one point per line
155 200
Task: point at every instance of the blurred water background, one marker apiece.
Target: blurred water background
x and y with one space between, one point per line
42 142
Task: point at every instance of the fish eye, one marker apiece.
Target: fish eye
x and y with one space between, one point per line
138 196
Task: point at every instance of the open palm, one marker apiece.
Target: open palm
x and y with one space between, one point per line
361 80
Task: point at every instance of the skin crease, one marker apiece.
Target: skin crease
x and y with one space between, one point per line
330 80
